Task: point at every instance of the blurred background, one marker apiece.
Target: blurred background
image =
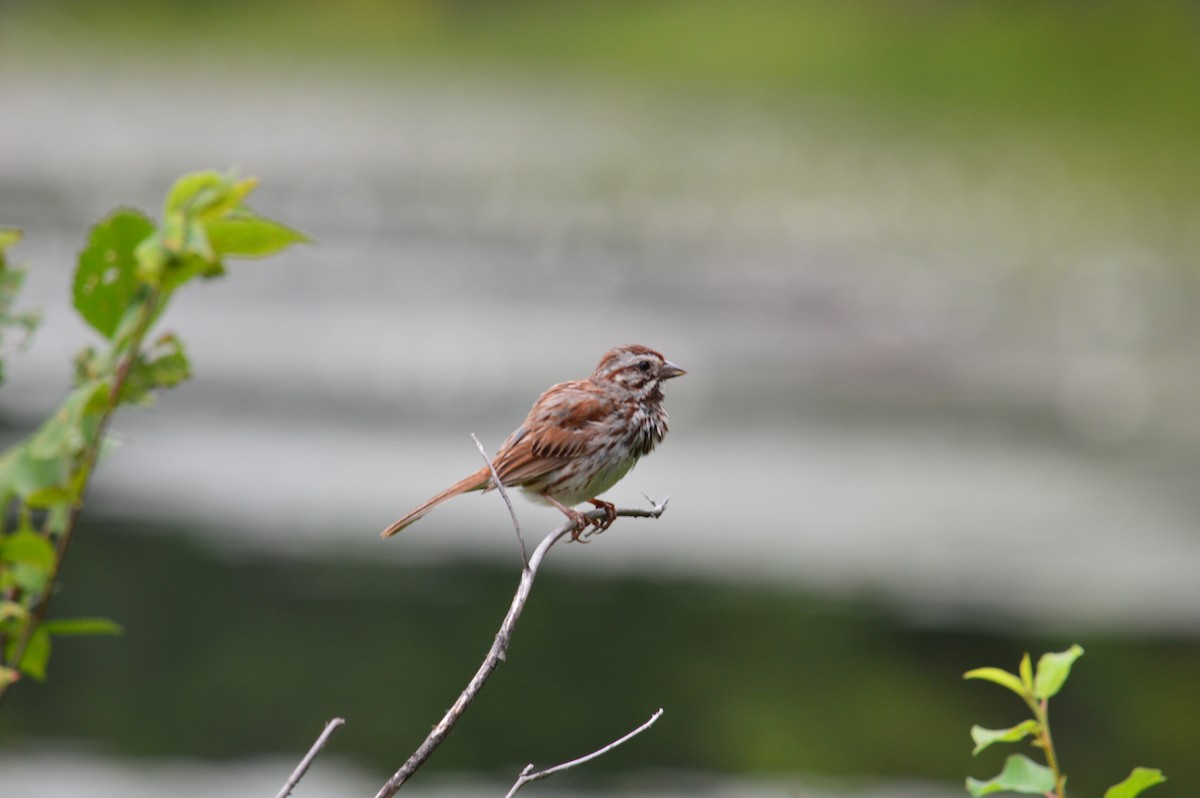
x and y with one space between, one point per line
931 266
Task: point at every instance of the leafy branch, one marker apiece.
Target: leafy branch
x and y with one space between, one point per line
1020 773
124 281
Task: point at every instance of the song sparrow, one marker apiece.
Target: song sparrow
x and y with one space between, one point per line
579 438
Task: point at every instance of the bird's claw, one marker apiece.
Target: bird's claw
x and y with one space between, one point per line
584 526
598 525
579 525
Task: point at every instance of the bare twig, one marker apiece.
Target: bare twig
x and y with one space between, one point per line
302 768
528 775
499 646
504 495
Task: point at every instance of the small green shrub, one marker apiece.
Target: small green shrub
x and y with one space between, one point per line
1021 774
125 278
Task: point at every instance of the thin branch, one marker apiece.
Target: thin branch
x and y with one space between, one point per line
302 768
504 495
656 509
527 775
499 647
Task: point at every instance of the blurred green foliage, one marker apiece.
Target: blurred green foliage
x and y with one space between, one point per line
1108 87
1112 63
22 322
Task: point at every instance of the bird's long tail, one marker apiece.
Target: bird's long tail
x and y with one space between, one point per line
477 481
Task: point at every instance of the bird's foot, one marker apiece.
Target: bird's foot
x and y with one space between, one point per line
600 524
580 526
579 522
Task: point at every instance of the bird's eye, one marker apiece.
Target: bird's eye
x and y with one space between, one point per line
643 365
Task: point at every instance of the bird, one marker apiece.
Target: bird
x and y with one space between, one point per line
579 439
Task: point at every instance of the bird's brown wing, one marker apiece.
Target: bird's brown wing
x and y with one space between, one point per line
554 433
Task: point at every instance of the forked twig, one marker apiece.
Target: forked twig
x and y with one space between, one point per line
499 646
504 495
528 775
302 768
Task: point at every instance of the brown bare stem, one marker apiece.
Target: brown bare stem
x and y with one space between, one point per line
302 768
529 775
504 495
499 647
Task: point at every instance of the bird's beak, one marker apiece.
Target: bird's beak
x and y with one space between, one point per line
670 370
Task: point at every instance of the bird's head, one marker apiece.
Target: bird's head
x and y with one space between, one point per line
638 369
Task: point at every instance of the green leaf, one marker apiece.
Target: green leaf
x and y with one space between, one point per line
203 221
28 578
1020 774
53 496
194 189
151 257
207 194
196 241
1000 677
28 547
82 626
68 431
1027 673
127 326
187 267
37 654
985 737
106 279
178 252
1053 670
163 365
23 475
1139 779
250 236
173 231
39 469
59 515
8 676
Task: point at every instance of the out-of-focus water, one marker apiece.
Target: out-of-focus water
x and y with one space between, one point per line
949 379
